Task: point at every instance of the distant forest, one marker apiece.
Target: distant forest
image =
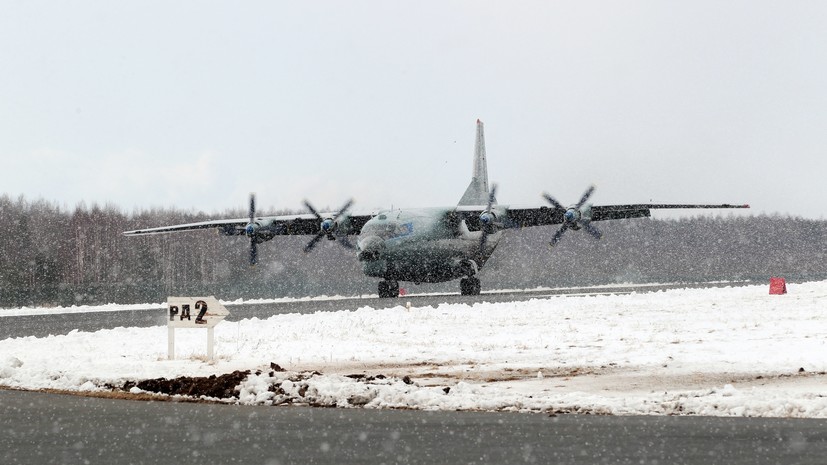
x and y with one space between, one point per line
50 256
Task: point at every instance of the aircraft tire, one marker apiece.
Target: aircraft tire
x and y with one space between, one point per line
388 289
469 286
463 286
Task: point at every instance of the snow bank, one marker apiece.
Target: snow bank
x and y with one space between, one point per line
719 351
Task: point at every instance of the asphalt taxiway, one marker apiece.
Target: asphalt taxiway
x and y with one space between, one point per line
39 428
51 322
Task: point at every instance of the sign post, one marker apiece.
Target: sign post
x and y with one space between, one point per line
194 312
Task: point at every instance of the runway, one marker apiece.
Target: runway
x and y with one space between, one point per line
57 322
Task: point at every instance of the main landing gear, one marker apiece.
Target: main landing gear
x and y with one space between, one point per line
469 286
388 289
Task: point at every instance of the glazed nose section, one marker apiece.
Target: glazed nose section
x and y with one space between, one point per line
370 248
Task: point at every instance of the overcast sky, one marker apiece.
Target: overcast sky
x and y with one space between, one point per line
197 104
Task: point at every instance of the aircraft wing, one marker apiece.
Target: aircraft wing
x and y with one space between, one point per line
227 226
619 212
284 225
543 216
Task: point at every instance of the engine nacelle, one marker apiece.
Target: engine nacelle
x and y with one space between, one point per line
488 217
328 226
259 231
333 225
488 221
576 216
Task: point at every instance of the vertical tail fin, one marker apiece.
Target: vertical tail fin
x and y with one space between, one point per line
477 192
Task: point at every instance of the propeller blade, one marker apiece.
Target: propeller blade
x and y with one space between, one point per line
486 228
555 203
253 252
592 230
252 207
344 208
483 241
492 197
585 197
253 244
559 234
313 242
312 210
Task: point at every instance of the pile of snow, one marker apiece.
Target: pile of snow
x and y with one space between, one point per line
718 351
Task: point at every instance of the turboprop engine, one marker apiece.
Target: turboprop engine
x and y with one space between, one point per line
575 217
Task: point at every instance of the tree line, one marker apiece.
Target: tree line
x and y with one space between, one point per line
52 255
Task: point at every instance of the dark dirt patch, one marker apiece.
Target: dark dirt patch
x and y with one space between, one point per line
365 378
221 387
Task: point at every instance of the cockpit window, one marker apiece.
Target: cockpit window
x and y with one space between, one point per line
387 230
383 230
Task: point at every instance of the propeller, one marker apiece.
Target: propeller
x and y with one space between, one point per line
487 220
328 227
251 229
575 216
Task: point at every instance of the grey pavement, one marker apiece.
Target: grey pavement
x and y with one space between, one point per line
39 428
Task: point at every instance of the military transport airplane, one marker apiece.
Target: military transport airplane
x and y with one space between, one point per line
427 245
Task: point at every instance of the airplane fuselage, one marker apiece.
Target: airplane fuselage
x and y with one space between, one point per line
421 246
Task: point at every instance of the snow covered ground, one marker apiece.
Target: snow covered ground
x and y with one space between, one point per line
718 351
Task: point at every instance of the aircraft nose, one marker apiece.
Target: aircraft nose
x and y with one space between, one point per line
370 248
